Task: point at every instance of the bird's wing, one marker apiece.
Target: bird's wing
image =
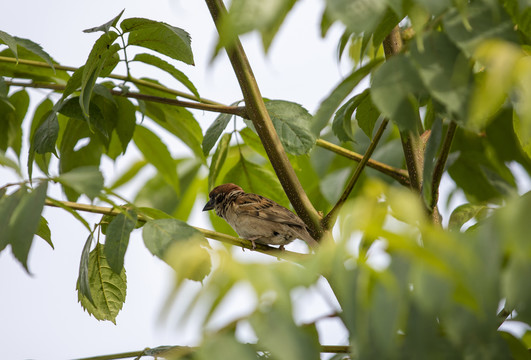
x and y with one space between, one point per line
258 206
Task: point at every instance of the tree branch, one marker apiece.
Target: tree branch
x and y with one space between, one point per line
399 175
264 249
259 116
441 164
172 351
234 110
411 143
330 219
111 76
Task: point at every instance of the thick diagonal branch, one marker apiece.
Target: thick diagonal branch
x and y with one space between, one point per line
258 114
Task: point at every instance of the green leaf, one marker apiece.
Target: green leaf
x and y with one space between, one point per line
44 231
35 49
85 180
83 284
73 212
518 349
367 114
177 120
46 134
24 223
462 214
292 123
445 72
332 102
358 15
179 245
157 154
159 235
396 86
117 239
125 121
484 23
128 174
8 162
102 49
107 26
95 120
169 68
214 131
522 130
342 124
247 15
10 41
256 179
218 159
107 288
161 37
253 141
8 204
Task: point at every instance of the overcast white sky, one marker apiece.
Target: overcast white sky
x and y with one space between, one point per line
39 315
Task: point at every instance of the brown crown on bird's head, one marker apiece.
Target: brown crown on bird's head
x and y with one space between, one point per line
218 192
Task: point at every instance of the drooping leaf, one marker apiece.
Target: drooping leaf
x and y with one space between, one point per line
367 115
125 121
73 212
10 163
214 131
107 288
128 174
359 15
35 49
117 239
445 73
44 231
169 68
86 180
395 90
484 23
161 37
24 222
107 26
83 283
95 120
342 123
10 41
157 154
332 102
244 16
8 204
46 134
462 214
102 50
218 159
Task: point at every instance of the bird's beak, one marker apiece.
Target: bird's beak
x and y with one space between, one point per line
209 205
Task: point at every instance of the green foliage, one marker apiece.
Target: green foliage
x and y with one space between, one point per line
405 288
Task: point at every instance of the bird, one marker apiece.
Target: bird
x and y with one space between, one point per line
257 218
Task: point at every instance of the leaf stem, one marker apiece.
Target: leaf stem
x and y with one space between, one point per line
234 110
264 126
111 76
399 175
330 218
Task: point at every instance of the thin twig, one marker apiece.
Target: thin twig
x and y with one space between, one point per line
441 164
111 76
264 126
330 218
234 110
399 175
264 249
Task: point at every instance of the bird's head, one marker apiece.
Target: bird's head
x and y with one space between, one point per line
219 193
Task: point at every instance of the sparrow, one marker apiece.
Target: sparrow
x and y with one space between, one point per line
256 218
